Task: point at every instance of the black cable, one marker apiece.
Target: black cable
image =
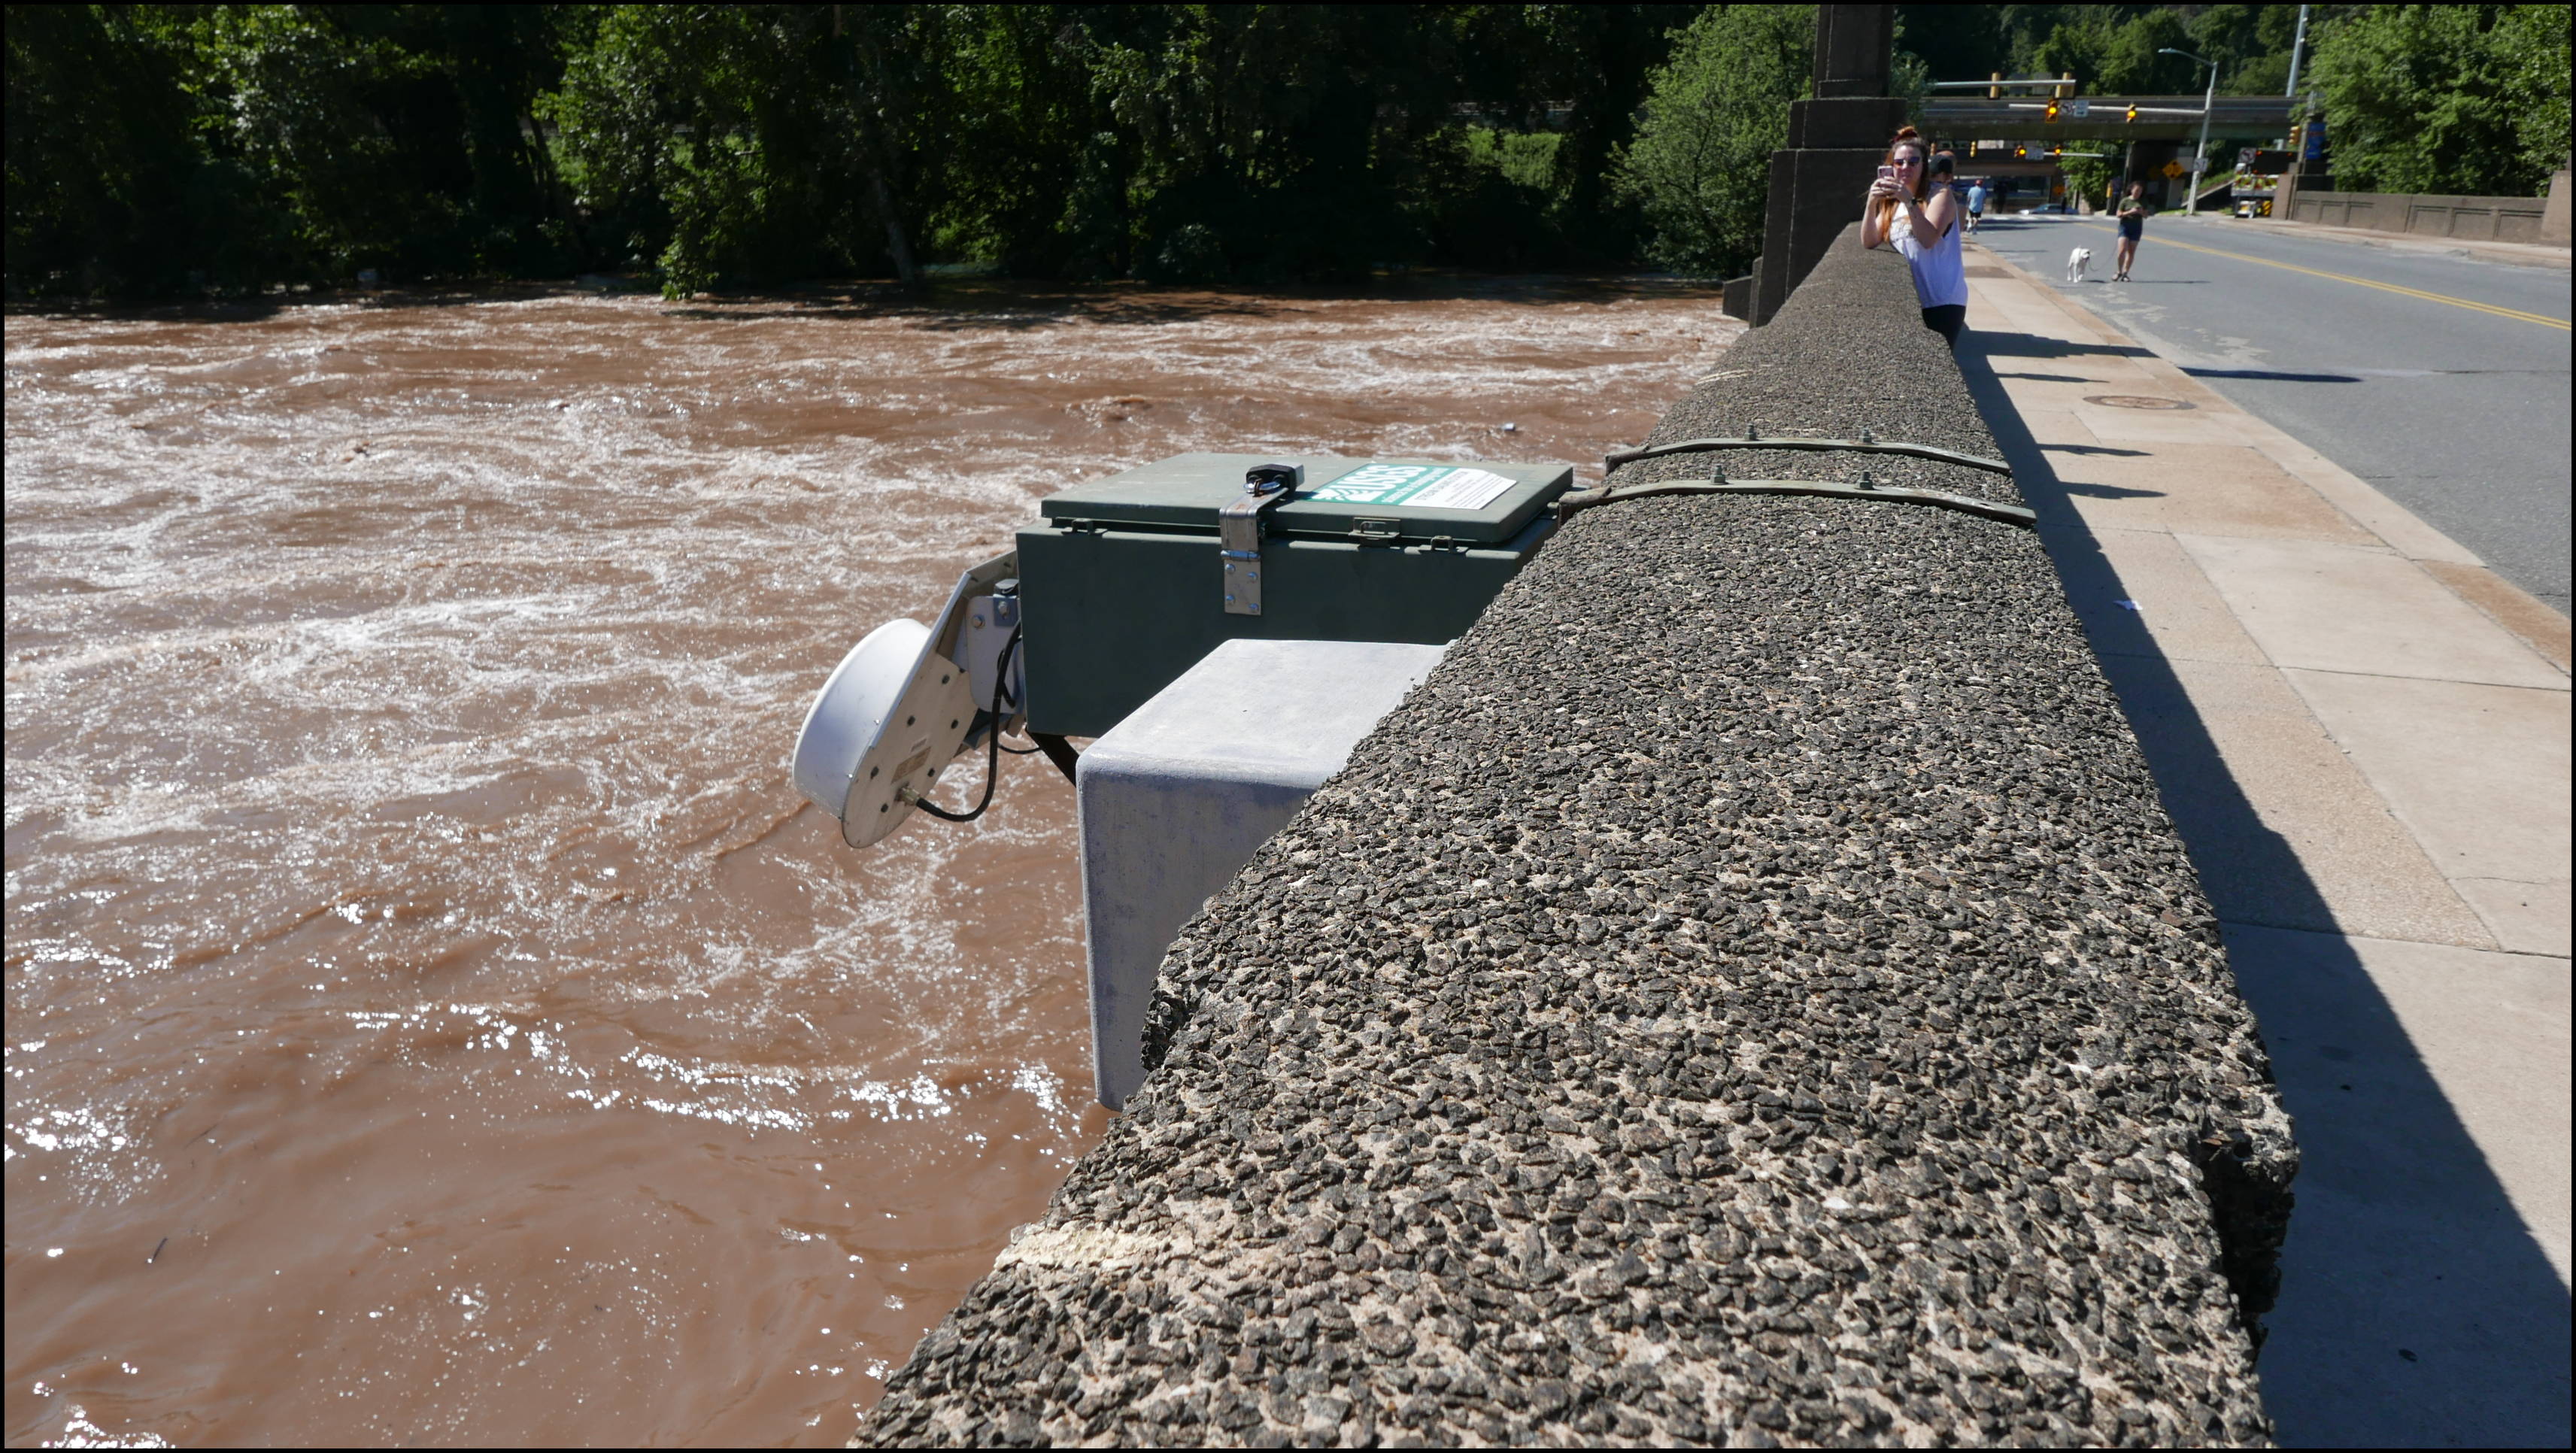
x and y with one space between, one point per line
992 747
1000 685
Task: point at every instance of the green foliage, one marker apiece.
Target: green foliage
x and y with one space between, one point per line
1274 141
2110 48
236 145
1955 42
2112 55
2087 177
1040 177
162 148
1910 75
389 136
753 143
100 162
1700 166
2251 44
2530 45
2465 99
1172 142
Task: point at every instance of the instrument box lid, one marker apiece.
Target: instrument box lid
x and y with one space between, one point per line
1479 502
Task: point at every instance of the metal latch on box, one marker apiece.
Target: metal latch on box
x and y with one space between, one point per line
1238 531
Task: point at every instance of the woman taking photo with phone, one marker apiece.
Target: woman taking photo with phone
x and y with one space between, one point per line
1922 221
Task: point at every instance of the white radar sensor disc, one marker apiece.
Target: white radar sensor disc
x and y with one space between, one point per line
892 714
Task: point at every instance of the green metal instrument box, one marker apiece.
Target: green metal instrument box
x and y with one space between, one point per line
1124 584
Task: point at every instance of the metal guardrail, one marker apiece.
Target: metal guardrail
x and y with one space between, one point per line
1867 443
1569 505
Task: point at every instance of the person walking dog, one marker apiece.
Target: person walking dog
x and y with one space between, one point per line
1921 221
2133 225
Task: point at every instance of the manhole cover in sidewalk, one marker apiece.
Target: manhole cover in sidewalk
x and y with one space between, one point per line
2135 401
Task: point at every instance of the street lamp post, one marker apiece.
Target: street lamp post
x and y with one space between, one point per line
2200 172
2298 47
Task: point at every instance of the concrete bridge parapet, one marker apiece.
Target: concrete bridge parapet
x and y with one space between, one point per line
1749 992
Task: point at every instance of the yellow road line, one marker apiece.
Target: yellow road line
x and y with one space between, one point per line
2514 313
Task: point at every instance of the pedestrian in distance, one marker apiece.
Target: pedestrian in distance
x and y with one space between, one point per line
1920 220
2133 225
1976 204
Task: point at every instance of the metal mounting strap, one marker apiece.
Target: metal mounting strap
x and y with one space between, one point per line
1569 505
1864 444
1238 532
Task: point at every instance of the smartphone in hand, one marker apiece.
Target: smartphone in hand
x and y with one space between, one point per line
1887 174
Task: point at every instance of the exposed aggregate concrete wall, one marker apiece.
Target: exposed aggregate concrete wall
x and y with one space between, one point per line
1749 993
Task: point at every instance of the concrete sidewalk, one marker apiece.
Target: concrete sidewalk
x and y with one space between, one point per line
2363 736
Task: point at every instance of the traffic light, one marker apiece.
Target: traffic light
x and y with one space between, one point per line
2021 151
2133 113
2052 108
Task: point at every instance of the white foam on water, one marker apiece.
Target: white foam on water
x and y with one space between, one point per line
80 1432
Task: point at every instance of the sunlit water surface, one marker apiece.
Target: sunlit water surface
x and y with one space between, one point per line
432 1014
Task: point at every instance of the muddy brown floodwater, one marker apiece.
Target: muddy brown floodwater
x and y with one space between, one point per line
432 1014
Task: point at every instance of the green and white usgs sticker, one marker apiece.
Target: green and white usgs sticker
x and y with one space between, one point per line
1424 486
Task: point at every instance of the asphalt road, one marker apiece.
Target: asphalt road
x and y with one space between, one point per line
2429 374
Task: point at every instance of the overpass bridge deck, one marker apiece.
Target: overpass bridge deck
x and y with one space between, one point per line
2106 118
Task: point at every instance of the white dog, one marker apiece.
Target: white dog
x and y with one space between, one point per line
2078 263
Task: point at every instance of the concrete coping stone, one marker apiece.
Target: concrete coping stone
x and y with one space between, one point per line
1284 713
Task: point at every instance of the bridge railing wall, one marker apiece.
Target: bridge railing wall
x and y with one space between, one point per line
1749 992
2492 219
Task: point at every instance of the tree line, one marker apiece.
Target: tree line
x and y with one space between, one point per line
2468 99
163 149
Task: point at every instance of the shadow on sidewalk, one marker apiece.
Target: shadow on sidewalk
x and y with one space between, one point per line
2028 345
2272 375
2416 1309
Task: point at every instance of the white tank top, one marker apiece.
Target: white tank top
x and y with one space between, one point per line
1940 272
